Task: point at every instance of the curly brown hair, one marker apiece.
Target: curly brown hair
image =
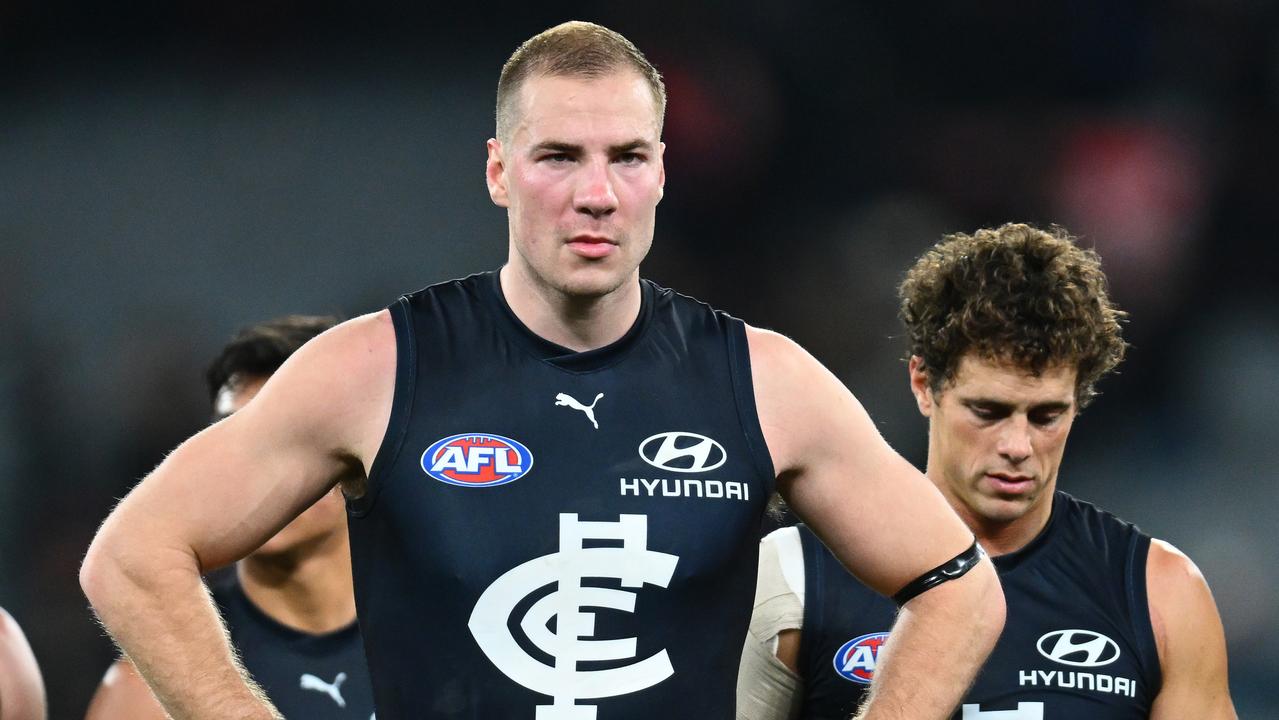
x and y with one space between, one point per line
1016 293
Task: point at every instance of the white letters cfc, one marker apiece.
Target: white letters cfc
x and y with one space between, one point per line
632 563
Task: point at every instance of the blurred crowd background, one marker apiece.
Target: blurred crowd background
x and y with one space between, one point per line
170 172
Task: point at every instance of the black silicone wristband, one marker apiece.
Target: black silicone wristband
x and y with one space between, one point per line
947 571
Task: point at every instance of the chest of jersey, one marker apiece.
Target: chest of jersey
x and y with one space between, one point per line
566 532
1071 647
1062 655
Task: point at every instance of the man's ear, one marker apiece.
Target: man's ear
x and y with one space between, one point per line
495 174
661 176
920 386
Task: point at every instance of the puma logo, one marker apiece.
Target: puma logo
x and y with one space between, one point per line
566 400
311 682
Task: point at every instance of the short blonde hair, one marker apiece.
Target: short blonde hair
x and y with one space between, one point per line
572 49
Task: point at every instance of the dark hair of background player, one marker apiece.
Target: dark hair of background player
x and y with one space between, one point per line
259 350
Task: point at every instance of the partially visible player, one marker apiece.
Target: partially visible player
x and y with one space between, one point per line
1009 331
21 688
289 605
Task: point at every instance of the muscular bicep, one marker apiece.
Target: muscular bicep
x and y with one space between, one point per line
879 515
317 421
1189 637
124 695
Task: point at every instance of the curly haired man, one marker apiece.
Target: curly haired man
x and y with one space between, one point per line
1010 329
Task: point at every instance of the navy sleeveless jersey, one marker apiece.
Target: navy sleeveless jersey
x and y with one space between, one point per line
306 676
558 535
1077 641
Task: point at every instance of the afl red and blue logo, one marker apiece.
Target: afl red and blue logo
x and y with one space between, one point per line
855 660
477 460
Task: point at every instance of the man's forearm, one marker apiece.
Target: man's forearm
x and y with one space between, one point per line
158 610
940 640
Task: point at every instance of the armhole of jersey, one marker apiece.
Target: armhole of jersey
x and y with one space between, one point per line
401 405
739 359
1139 610
814 595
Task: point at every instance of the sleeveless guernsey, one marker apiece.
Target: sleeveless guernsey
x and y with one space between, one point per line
556 535
307 676
1077 641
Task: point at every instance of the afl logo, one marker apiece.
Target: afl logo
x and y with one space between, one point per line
477 460
683 452
855 660
1081 648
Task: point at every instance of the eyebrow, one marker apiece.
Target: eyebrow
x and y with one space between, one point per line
987 402
636 144
565 147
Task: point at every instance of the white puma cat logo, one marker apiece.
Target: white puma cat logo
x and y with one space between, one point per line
566 400
311 682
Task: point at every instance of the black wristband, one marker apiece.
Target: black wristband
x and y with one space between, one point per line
947 571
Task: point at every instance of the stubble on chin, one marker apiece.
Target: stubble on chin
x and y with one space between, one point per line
588 288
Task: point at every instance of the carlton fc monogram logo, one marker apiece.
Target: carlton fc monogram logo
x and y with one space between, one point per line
570 644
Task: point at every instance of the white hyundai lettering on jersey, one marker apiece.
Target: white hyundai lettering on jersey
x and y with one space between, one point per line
696 453
566 400
632 563
686 487
1073 679
1089 649
311 682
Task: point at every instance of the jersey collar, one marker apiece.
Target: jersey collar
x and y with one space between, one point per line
558 355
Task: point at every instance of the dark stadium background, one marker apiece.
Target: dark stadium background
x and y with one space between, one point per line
171 171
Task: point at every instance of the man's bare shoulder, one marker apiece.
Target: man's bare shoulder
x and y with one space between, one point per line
799 402
1176 587
786 377
364 344
337 389
773 351
1189 637
353 362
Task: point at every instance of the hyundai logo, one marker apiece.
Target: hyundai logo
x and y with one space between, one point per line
1081 648
684 452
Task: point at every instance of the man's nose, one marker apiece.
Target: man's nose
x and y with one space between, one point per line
1014 441
595 195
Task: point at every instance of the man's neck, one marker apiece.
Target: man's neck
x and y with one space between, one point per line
310 590
1002 538
579 323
